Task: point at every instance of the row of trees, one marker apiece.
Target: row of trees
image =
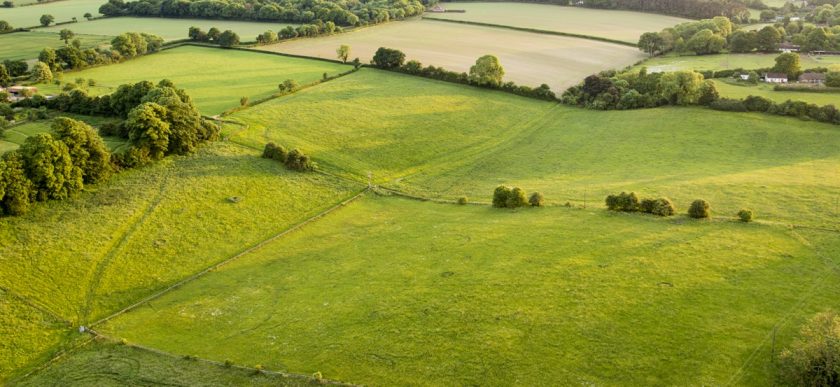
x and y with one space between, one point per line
340 12
630 202
227 38
72 56
52 166
693 9
629 90
514 197
487 72
827 113
294 160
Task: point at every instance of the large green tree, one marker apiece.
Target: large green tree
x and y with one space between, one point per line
343 52
47 20
228 39
651 43
65 35
50 168
5 78
788 63
487 71
41 73
148 128
17 187
706 42
743 41
768 39
87 150
388 58
681 87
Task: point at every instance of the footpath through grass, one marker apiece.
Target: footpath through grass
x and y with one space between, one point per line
86 258
421 293
215 78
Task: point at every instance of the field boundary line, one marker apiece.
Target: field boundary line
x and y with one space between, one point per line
536 31
215 266
35 305
119 244
290 375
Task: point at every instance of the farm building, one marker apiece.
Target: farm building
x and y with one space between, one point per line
18 92
775 78
815 78
788 47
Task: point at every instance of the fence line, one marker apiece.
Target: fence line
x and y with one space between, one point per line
228 260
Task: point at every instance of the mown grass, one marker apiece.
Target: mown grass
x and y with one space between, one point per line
27 45
104 363
729 61
63 11
421 293
148 228
619 25
13 137
169 29
738 90
448 141
215 78
529 59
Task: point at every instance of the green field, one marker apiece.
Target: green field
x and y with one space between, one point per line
86 258
27 45
13 137
213 77
445 141
619 25
733 89
168 29
102 363
729 61
63 11
529 59
412 293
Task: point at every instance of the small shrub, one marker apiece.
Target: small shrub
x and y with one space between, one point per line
663 207
243 101
275 152
258 369
228 363
462 200
123 342
536 199
517 198
318 376
297 161
745 215
699 209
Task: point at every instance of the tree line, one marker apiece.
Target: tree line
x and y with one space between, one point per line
694 9
340 12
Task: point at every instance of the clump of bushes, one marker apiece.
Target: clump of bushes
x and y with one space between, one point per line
630 202
659 207
294 160
507 197
745 215
463 200
536 199
699 209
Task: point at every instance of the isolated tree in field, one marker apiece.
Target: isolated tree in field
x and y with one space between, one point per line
651 43
517 198
289 85
66 35
5 26
228 39
17 187
47 20
5 78
745 215
768 39
699 209
814 358
536 199
487 71
50 168
87 15
500 196
681 87
41 73
148 129
343 52
87 150
788 63
388 58
213 34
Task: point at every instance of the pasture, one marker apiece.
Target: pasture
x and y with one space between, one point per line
27 45
729 61
168 29
63 11
14 136
529 59
415 293
146 229
215 79
445 141
733 89
618 25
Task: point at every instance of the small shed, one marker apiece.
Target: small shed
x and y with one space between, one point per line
775 78
814 78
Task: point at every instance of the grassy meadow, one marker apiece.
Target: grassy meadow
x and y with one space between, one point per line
618 25
102 363
27 45
215 78
14 136
412 293
529 59
729 61
85 258
734 89
63 11
168 29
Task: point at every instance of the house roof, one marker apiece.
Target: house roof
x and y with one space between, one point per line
775 75
812 77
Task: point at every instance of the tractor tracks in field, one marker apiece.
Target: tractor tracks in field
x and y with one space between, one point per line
35 305
119 244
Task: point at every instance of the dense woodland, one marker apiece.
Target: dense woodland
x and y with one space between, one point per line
343 12
701 9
